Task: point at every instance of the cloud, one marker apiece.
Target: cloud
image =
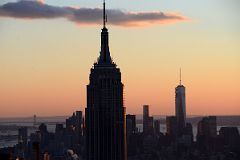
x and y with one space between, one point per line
41 1
87 16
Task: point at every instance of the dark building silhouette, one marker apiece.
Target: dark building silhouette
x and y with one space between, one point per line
156 127
180 107
133 136
74 129
230 137
186 138
35 155
5 156
78 126
131 124
59 139
150 125
207 127
207 133
105 113
145 118
147 121
171 125
44 135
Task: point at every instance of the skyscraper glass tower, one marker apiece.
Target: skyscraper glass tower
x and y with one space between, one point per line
105 113
180 106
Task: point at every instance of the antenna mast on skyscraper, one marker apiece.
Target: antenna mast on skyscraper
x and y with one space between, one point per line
104 14
180 76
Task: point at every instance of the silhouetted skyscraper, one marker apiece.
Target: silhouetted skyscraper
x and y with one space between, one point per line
180 106
171 125
105 114
207 133
207 127
78 126
145 117
147 121
131 124
156 127
231 137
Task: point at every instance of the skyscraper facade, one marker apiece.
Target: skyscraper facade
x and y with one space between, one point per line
207 127
171 126
147 121
105 113
145 117
131 124
180 106
156 127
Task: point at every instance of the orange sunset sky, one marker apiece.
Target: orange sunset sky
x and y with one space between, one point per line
45 59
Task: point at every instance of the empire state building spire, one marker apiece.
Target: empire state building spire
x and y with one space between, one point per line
104 15
105 116
105 58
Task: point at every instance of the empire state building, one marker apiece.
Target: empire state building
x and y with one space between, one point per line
105 113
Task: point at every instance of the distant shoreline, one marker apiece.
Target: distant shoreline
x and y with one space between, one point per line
222 120
137 115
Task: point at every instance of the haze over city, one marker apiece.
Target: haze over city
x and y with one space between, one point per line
164 84
45 59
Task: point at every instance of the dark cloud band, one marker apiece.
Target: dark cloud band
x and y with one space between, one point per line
88 16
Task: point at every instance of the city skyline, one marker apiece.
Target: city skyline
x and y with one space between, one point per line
41 74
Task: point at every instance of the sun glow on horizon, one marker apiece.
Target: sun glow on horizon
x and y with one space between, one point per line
45 63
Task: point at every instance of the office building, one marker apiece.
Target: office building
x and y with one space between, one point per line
230 137
147 121
157 127
171 125
105 112
207 127
180 107
131 124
